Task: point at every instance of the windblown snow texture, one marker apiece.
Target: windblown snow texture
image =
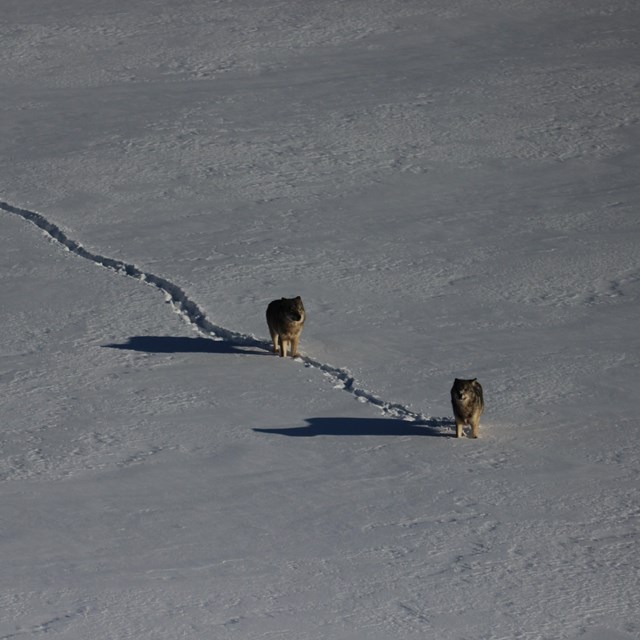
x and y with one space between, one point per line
192 314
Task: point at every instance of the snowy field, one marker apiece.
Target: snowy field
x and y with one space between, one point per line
452 186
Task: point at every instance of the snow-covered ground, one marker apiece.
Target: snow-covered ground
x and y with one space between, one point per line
451 186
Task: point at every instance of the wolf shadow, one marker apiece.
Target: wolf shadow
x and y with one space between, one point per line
183 344
347 426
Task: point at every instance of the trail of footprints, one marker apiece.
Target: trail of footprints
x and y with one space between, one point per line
193 315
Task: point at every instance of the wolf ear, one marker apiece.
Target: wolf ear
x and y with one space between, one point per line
298 298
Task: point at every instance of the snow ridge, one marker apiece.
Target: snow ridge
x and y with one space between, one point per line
193 315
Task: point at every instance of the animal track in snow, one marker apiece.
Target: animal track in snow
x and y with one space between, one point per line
194 316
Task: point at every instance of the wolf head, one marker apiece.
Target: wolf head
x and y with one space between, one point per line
466 390
293 308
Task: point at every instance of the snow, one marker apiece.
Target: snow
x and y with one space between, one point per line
452 189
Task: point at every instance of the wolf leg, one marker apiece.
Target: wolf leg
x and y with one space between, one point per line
274 339
294 346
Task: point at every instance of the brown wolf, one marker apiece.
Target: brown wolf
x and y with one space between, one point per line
285 318
468 404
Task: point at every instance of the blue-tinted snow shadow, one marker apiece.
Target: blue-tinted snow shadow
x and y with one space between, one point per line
366 427
181 344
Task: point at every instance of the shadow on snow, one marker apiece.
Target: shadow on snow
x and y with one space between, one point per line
181 344
365 427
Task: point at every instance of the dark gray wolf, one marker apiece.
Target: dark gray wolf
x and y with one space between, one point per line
468 404
285 318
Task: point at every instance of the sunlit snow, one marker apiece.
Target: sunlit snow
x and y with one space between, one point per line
451 186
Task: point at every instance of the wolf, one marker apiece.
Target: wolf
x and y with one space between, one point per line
285 318
468 404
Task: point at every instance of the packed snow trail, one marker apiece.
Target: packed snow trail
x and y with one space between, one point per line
194 316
